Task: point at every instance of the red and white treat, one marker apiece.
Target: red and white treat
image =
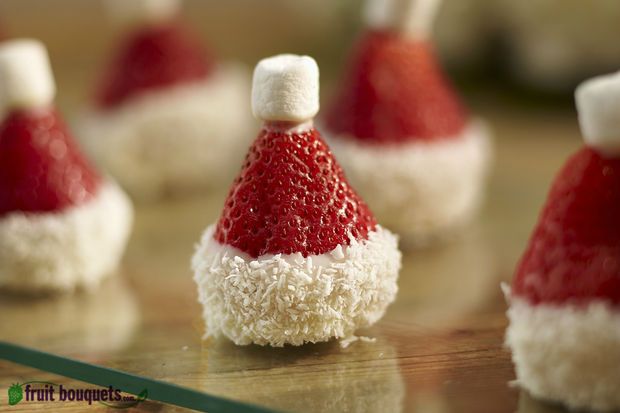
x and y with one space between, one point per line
565 299
168 117
296 256
400 131
62 225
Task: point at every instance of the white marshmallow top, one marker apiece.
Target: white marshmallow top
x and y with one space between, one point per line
130 12
598 104
26 79
286 88
413 18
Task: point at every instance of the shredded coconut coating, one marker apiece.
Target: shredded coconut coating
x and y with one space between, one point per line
184 139
423 190
61 251
288 299
567 353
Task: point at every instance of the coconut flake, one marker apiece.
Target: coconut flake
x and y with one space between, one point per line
427 190
60 251
154 143
567 353
331 300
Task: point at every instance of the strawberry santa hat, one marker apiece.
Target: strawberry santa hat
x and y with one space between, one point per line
62 225
296 256
161 101
565 298
401 132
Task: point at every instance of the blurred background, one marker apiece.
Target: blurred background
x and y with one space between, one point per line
533 52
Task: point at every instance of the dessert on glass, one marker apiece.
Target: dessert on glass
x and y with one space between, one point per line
168 117
296 255
564 313
401 132
62 225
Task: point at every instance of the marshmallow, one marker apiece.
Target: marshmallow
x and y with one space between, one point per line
141 11
286 88
598 104
411 17
26 79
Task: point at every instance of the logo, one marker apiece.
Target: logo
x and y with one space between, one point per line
43 391
15 394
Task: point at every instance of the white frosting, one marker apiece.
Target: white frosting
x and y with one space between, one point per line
183 139
413 18
128 12
598 104
286 88
422 190
289 299
60 251
26 78
567 353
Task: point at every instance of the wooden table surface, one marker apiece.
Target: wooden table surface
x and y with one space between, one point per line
438 349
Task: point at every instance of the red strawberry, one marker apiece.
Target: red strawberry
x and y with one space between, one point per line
292 196
42 168
395 91
153 57
574 253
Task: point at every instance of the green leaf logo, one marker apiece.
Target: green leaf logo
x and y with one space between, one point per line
15 394
143 395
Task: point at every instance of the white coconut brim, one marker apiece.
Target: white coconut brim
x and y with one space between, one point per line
422 190
61 251
567 353
289 299
183 139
